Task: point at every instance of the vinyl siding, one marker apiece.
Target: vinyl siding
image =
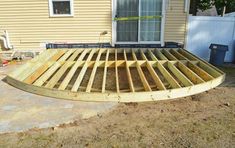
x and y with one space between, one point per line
29 24
176 21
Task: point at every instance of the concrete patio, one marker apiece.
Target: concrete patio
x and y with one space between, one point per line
20 111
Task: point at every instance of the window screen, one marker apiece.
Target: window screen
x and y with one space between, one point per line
61 7
150 29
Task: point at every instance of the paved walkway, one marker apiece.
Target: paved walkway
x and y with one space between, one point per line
21 111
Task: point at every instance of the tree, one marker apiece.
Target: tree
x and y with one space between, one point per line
222 6
193 7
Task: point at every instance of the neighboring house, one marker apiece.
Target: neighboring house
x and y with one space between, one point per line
209 12
32 24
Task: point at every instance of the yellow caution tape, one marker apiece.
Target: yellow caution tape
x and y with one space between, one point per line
136 18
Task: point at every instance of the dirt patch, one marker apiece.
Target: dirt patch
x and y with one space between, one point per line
203 120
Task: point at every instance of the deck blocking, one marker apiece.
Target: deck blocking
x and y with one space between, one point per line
115 74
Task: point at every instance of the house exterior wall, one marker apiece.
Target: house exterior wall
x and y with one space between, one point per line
176 21
30 26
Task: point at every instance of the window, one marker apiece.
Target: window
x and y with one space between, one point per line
61 8
148 30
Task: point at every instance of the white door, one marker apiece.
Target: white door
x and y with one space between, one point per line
138 21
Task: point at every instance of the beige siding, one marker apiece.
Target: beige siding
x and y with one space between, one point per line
175 24
29 24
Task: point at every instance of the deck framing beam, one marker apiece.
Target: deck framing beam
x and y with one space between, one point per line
83 71
69 76
141 73
129 77
162 74
105 71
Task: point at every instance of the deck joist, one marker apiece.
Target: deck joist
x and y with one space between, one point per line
115 74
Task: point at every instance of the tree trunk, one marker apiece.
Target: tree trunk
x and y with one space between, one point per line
224 10
193 7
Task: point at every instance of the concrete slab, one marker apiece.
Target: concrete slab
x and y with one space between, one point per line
21 111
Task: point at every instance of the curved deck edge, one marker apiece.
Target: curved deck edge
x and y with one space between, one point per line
118 97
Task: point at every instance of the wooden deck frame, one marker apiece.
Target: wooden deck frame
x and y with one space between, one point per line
51 72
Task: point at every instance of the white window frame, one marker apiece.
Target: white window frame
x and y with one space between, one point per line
60 15
114 27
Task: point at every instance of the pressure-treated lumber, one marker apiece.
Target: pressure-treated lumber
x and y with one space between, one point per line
189 73
34 66
160 55
153 57
68 78
59 73
168 76
141 73
155 77
177 55
53 68
116 72
200 72
105 71
169 55
82 72
92 77
62 70
39 58
129 77
179 75
36 74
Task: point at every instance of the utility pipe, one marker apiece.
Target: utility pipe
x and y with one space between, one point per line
5 39
8 40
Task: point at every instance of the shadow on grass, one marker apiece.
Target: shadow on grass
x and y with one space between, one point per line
229 69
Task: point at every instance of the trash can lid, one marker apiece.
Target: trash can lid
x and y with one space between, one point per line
218 47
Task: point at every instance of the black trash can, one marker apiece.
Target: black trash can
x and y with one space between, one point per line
218 54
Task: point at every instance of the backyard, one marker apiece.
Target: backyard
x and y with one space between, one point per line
203 120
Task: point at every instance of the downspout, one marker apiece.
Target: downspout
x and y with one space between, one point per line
3 39
186 10
6 40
